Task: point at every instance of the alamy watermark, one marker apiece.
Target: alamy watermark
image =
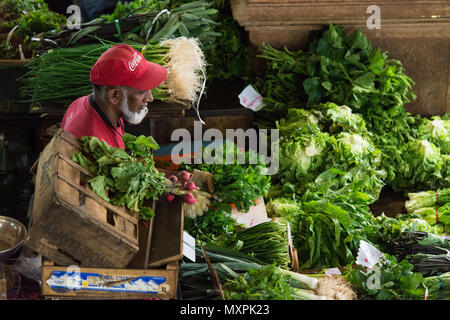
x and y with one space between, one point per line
258 142
74 20
374 21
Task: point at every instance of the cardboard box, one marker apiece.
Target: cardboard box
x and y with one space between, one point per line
101 283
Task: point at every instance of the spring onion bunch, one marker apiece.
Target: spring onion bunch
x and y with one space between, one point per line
246 277
63 75
266 241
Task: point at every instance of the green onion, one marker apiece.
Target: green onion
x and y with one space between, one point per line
62 75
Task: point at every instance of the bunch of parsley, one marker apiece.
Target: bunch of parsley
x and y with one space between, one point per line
239 181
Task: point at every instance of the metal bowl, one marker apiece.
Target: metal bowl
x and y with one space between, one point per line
12 235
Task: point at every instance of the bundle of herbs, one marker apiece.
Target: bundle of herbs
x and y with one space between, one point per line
216 227
63 75
122 179
238 175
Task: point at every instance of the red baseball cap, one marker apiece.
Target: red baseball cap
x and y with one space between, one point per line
122 65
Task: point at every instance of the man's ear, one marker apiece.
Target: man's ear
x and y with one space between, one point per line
114 95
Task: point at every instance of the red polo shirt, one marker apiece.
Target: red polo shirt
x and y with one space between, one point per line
81 119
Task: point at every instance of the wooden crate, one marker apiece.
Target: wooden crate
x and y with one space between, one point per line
161 238
101 283
71 225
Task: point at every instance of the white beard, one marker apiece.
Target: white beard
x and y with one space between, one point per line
130 116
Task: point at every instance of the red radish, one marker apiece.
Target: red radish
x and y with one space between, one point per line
184 175
173 178
190 186
170 197
189 198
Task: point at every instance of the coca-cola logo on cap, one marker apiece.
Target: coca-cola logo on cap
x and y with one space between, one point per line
133 63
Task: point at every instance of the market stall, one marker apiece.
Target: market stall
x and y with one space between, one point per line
329 185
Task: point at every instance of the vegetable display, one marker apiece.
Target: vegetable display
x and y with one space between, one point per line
427 252
346 70
338 68
244 277
344 136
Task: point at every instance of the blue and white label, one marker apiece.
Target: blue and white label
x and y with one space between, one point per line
62 280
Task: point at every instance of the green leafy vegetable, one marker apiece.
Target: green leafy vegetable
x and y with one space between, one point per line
238 176
121 179
437 131
387 280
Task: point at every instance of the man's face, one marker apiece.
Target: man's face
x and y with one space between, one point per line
134 104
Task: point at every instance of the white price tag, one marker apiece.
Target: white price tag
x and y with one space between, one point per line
368 255
251 221
333 271
251 99
188 246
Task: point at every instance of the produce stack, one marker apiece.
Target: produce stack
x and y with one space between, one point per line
432 206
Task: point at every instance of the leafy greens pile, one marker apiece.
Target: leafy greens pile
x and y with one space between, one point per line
27 19
344 136
330 172
123 179
346 70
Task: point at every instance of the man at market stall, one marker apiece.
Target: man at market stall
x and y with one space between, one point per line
123 80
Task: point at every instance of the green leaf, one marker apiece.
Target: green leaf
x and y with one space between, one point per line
366 80
312 88
377 62
99 186
81 33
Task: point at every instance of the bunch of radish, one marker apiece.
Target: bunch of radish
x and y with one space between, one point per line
183 182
